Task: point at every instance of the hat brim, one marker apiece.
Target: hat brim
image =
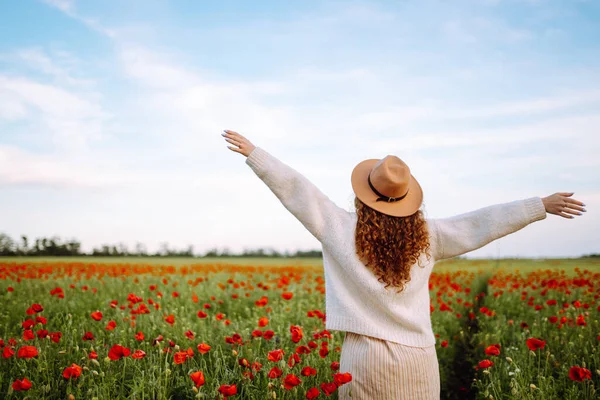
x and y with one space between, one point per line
402 208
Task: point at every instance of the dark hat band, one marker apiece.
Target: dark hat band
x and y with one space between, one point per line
383 197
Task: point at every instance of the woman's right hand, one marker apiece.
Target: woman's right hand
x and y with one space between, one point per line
561 204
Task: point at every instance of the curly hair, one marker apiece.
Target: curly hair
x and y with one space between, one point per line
389 245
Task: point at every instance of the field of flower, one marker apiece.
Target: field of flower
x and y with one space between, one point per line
248 329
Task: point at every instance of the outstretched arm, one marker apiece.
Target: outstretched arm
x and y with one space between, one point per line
463 233
303 199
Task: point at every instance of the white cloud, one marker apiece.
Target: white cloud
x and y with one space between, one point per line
70 119
68 8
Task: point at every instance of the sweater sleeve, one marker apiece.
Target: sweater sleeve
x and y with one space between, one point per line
298 195
463 233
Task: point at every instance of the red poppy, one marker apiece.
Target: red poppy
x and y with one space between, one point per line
88 336
312 393
21 385
256 366
203 348
262 302
111 325
170 319
28 335
42 333
41 320
244 362
581 320
274 373
335 366
553 319
8 352
28 323
290 381
257 333
55 336
492 350
287 295
180 357
37 308
117 352
197 378
275 355
293 360
535 344
27 352
202 314
296 332
323 351
72 372
342 379
268 335
579 374
328 388
444 343
93 355
138 354
262 322
228 390
97 315
189 334
308 371
485 364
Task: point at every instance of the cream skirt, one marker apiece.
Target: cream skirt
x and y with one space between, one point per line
388 370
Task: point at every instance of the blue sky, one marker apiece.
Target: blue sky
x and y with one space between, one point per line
111 113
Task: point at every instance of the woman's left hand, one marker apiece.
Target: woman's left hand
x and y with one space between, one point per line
244 146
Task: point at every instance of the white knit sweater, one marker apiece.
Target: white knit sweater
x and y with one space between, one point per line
355 300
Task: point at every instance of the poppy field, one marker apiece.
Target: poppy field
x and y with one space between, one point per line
116 329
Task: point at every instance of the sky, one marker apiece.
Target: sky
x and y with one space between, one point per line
111 114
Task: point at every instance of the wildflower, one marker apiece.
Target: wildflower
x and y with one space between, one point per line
535 344
291 381
117 352
312 393
198 378
96 315
579 374
72 372
27 352
21 385
203 348
228 390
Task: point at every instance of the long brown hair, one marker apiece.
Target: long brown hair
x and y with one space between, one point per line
389 245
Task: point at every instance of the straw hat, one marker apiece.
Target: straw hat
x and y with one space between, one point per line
387 186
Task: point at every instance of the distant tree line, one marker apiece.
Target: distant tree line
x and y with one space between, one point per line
55 246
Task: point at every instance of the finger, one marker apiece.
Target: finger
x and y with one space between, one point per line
573 201
572 212
234 149
564 215
233 133
232 141
574 207
567 194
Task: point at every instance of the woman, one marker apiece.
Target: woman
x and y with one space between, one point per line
374 291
